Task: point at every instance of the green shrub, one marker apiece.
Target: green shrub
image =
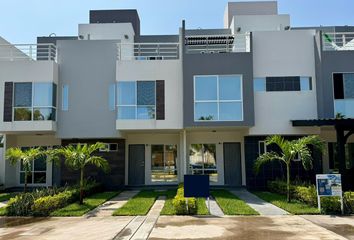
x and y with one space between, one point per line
180 203
307 193
41 202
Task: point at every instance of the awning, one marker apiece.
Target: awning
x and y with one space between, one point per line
346 123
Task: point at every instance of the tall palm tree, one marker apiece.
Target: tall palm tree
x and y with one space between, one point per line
77 157
289 150
24 157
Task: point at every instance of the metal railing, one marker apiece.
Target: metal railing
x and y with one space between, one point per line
147 51
199 44
15 52
338 41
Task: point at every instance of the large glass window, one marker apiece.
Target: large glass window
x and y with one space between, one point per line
202 160
34 101
37 173
343 84
136 100
218 98
163 163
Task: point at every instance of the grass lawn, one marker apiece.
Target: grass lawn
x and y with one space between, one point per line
231 204
294 207
140 204
90 202
6 196
202 208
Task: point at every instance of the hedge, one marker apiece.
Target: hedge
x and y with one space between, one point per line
307 193
180 203
43 201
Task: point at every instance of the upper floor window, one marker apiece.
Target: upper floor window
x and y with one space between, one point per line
279 84
343 86
136 100
218 98
34 101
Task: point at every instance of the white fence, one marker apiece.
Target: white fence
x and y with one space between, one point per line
339 41
14 52
147 51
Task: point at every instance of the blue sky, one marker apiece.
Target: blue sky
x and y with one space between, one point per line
21 21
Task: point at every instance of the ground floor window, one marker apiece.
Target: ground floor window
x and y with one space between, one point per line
202 160
332 155
38 173
164 163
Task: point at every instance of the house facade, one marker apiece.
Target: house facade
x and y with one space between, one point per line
198 102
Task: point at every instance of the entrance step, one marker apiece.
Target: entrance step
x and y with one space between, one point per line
141 226
107 208
264 208
214 210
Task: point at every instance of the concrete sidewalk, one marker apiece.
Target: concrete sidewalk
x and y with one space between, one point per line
110 206
264 208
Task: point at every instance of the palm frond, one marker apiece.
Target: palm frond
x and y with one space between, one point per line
283 144
99 162
265 158
14 155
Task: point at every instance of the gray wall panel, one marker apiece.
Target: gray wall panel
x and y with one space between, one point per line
218 64
88 67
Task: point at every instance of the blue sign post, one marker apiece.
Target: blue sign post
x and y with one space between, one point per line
197 186
329 185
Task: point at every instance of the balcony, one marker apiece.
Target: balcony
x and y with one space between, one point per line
208 44
27 52
339 41
147 51
344 107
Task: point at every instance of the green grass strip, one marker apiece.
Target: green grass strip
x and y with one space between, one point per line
202 209
168 208
231 204
294 207
140 204
6 196
91 202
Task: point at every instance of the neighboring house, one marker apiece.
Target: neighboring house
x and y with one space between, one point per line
199 102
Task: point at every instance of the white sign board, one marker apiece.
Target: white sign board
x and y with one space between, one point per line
329 185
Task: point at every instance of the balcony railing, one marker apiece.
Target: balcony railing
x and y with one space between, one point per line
15 52
218 43
344 107
147 51
339 41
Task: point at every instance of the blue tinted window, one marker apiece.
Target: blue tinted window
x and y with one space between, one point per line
305 84
146 112
23 95
126 112
229 88
65 98
146 93
42 94
205 88
126 93
259 85
230 111
205 111
348 79
112 97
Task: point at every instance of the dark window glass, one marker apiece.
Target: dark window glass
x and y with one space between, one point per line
113 147
338 86
39 177
23 95
22 177
348 81
274 84
40 164
146 93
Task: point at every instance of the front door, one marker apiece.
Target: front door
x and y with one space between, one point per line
232 164
136 165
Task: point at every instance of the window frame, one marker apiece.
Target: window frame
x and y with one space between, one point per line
218 101
32 107
264 147
136 106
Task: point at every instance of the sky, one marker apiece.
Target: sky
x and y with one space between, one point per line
21 21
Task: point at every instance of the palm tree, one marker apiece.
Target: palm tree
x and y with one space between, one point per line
77 157
290 150
24 157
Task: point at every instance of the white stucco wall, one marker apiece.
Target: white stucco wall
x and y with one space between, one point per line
26 71
251 23
168 70
107 31
284 53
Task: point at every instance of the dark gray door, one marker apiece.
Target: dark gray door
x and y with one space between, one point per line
232 164
136 165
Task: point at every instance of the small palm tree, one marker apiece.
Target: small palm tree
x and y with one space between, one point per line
26 157
290 150
78 157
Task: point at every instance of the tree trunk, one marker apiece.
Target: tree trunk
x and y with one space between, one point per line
25 187
288 181
82 186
